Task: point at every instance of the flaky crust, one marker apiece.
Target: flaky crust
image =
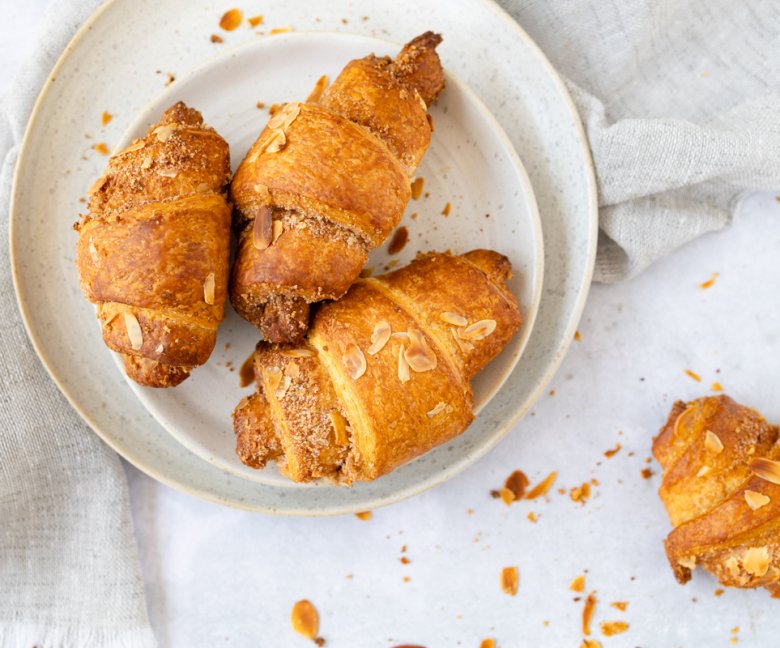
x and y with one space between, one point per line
154 248
708 449
335 174
329 423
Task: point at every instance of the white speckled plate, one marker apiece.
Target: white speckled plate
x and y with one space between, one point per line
470 164
119 61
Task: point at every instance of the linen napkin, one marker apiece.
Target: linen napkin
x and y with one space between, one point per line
679 103
69 570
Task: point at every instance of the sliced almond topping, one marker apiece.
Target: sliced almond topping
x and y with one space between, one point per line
400 335
766 469
160 348
262 230
379 337
543 486
403 365
712 443
510 579
419 355
146 163
93 252
478 330
298 353
688 562
339 424
290 113
318 90
164 132
704 470
168 174
275 142
756 500
273 377
453 318
134 332
137 145
278 228
97 185
305 620
756 561
208 288
464 346
354 361
293 370
282 387
440 406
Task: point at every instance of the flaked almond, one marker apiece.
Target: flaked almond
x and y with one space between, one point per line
137 145
147 162
208 288
689 562
419 355
94 253
164 132
400 335
756 561
403 365
354 361
298 353
168 173
463 345
379 337
543 486
611 628
453 318
318 90
510 579
305 620
712 442
160 348
275 142
766 469
704 470
440 407
339 424
134 332
273 377
277 228
756 500
262 230
478 330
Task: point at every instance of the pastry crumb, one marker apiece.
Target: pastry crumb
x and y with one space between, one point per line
693 375
231 19
611 453
365 516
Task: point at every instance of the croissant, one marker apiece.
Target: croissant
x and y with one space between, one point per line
153 251
383 374
721 488
325 183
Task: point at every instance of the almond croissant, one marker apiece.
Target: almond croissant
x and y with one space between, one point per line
326 182
383 375
154 250
721 487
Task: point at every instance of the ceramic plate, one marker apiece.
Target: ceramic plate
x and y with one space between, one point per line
123 57
471 165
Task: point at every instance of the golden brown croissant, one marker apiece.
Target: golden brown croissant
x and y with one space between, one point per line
721 487
154 250
325 183
383 375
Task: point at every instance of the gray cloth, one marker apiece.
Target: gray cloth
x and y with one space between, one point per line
680 102
69 570
677 100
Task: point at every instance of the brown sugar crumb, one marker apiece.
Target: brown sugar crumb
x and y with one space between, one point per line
510 579
364 515
254 21
578 584
280 30
304 618
273 109
716 387
106 117
246 375
578 336
719 592
708 284
532 517
487 643
542 487
620 605
100 148
216 38
580 493
231 19
417 188
397 243
587 612
611 453
693 375
495 494
647 473
446 211
611 628
260 105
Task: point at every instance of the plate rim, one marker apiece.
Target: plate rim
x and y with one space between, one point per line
551 368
